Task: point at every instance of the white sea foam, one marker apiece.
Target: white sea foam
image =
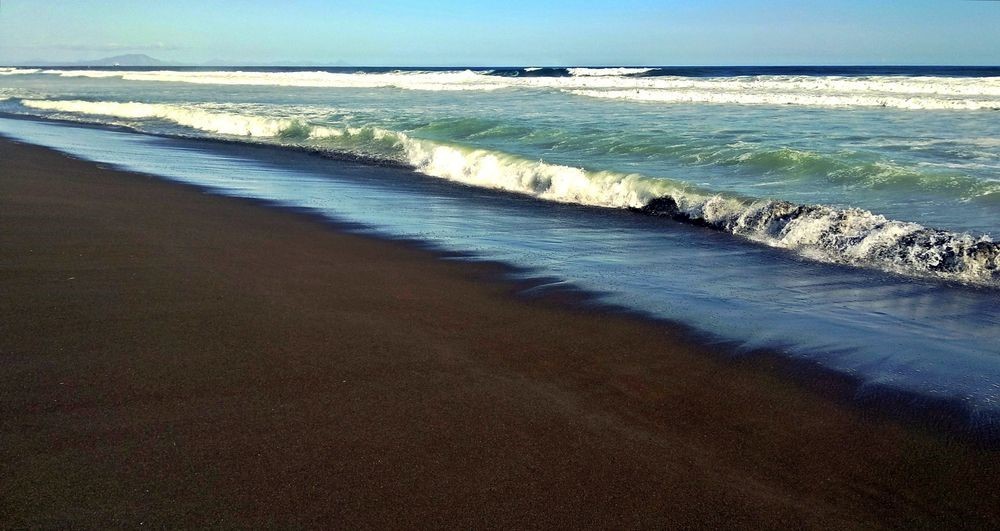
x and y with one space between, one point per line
9 71
553 182
430 81
13 93
195 117
85 73
852 236
221 123
915 92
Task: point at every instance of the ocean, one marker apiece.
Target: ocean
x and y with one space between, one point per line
839 215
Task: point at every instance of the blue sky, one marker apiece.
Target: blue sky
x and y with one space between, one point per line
512 32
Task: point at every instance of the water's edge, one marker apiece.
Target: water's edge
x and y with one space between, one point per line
946 417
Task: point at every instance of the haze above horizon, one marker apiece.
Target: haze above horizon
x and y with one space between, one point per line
451 33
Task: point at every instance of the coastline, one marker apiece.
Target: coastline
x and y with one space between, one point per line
176 358
951 415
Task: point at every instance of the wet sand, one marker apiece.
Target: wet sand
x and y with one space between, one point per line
173 358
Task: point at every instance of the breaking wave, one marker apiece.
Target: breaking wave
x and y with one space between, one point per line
935 92
222 123
529 72
620 71
429 81
846 236
11 71
793 98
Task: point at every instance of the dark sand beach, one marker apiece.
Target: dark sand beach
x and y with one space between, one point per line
174 358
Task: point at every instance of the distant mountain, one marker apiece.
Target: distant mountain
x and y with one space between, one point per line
132 59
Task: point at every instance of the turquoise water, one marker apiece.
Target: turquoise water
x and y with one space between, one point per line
906 168
845 219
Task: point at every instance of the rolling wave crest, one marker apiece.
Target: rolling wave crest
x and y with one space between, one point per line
847 236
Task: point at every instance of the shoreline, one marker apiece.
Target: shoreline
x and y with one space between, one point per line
655 209
980 256
946 416
213 328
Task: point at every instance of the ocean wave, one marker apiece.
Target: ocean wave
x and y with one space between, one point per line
855 169
846 236
410 80
609 71
634 84
20 94
851 169
535 71
301 124
559 71
11 71
193 117
791 98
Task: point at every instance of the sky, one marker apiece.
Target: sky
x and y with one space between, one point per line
512 32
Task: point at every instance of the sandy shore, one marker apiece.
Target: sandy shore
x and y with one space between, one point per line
173 358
